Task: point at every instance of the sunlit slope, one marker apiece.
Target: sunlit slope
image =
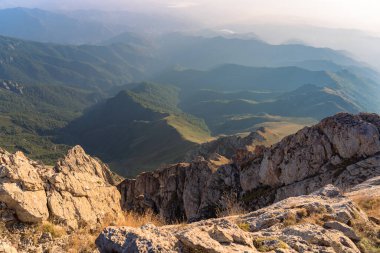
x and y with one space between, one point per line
138 129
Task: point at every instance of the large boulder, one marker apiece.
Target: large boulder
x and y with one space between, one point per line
22 188
81 191
147 238
78 190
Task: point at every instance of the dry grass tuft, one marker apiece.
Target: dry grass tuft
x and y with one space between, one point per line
269 244
133 219
56 231
371 205
369 236
369 233
301 215
83 240
229 206
244 226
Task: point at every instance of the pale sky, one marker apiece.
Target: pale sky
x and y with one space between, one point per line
355 14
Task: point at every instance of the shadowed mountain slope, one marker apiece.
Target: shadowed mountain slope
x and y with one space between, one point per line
138 129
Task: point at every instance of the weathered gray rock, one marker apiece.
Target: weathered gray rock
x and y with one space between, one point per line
332 143
345 229
78 161
313 238
295 224
21 187
148 238
81 191
77 191
369 188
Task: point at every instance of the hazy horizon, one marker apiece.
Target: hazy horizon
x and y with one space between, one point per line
347 25
344 14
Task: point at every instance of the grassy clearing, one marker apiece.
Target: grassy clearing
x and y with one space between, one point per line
190 128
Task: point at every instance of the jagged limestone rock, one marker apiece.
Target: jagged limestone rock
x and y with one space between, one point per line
21 187
77 191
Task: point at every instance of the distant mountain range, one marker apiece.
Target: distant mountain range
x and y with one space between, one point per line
199 88
46 26
190 52
82 26
96 26
222 93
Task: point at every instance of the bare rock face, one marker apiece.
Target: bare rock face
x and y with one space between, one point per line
180 191
77 191
343 150
320 222
147 238
22 188
81 190
78 161
226 146
369 188
331 143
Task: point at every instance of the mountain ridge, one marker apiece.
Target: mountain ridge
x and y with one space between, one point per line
134 120
343 145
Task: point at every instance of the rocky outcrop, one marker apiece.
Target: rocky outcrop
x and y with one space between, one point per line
320 222
11 86
227 146
81 191
78 190
343 150
369 188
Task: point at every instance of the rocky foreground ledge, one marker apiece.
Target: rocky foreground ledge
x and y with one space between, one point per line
324 221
